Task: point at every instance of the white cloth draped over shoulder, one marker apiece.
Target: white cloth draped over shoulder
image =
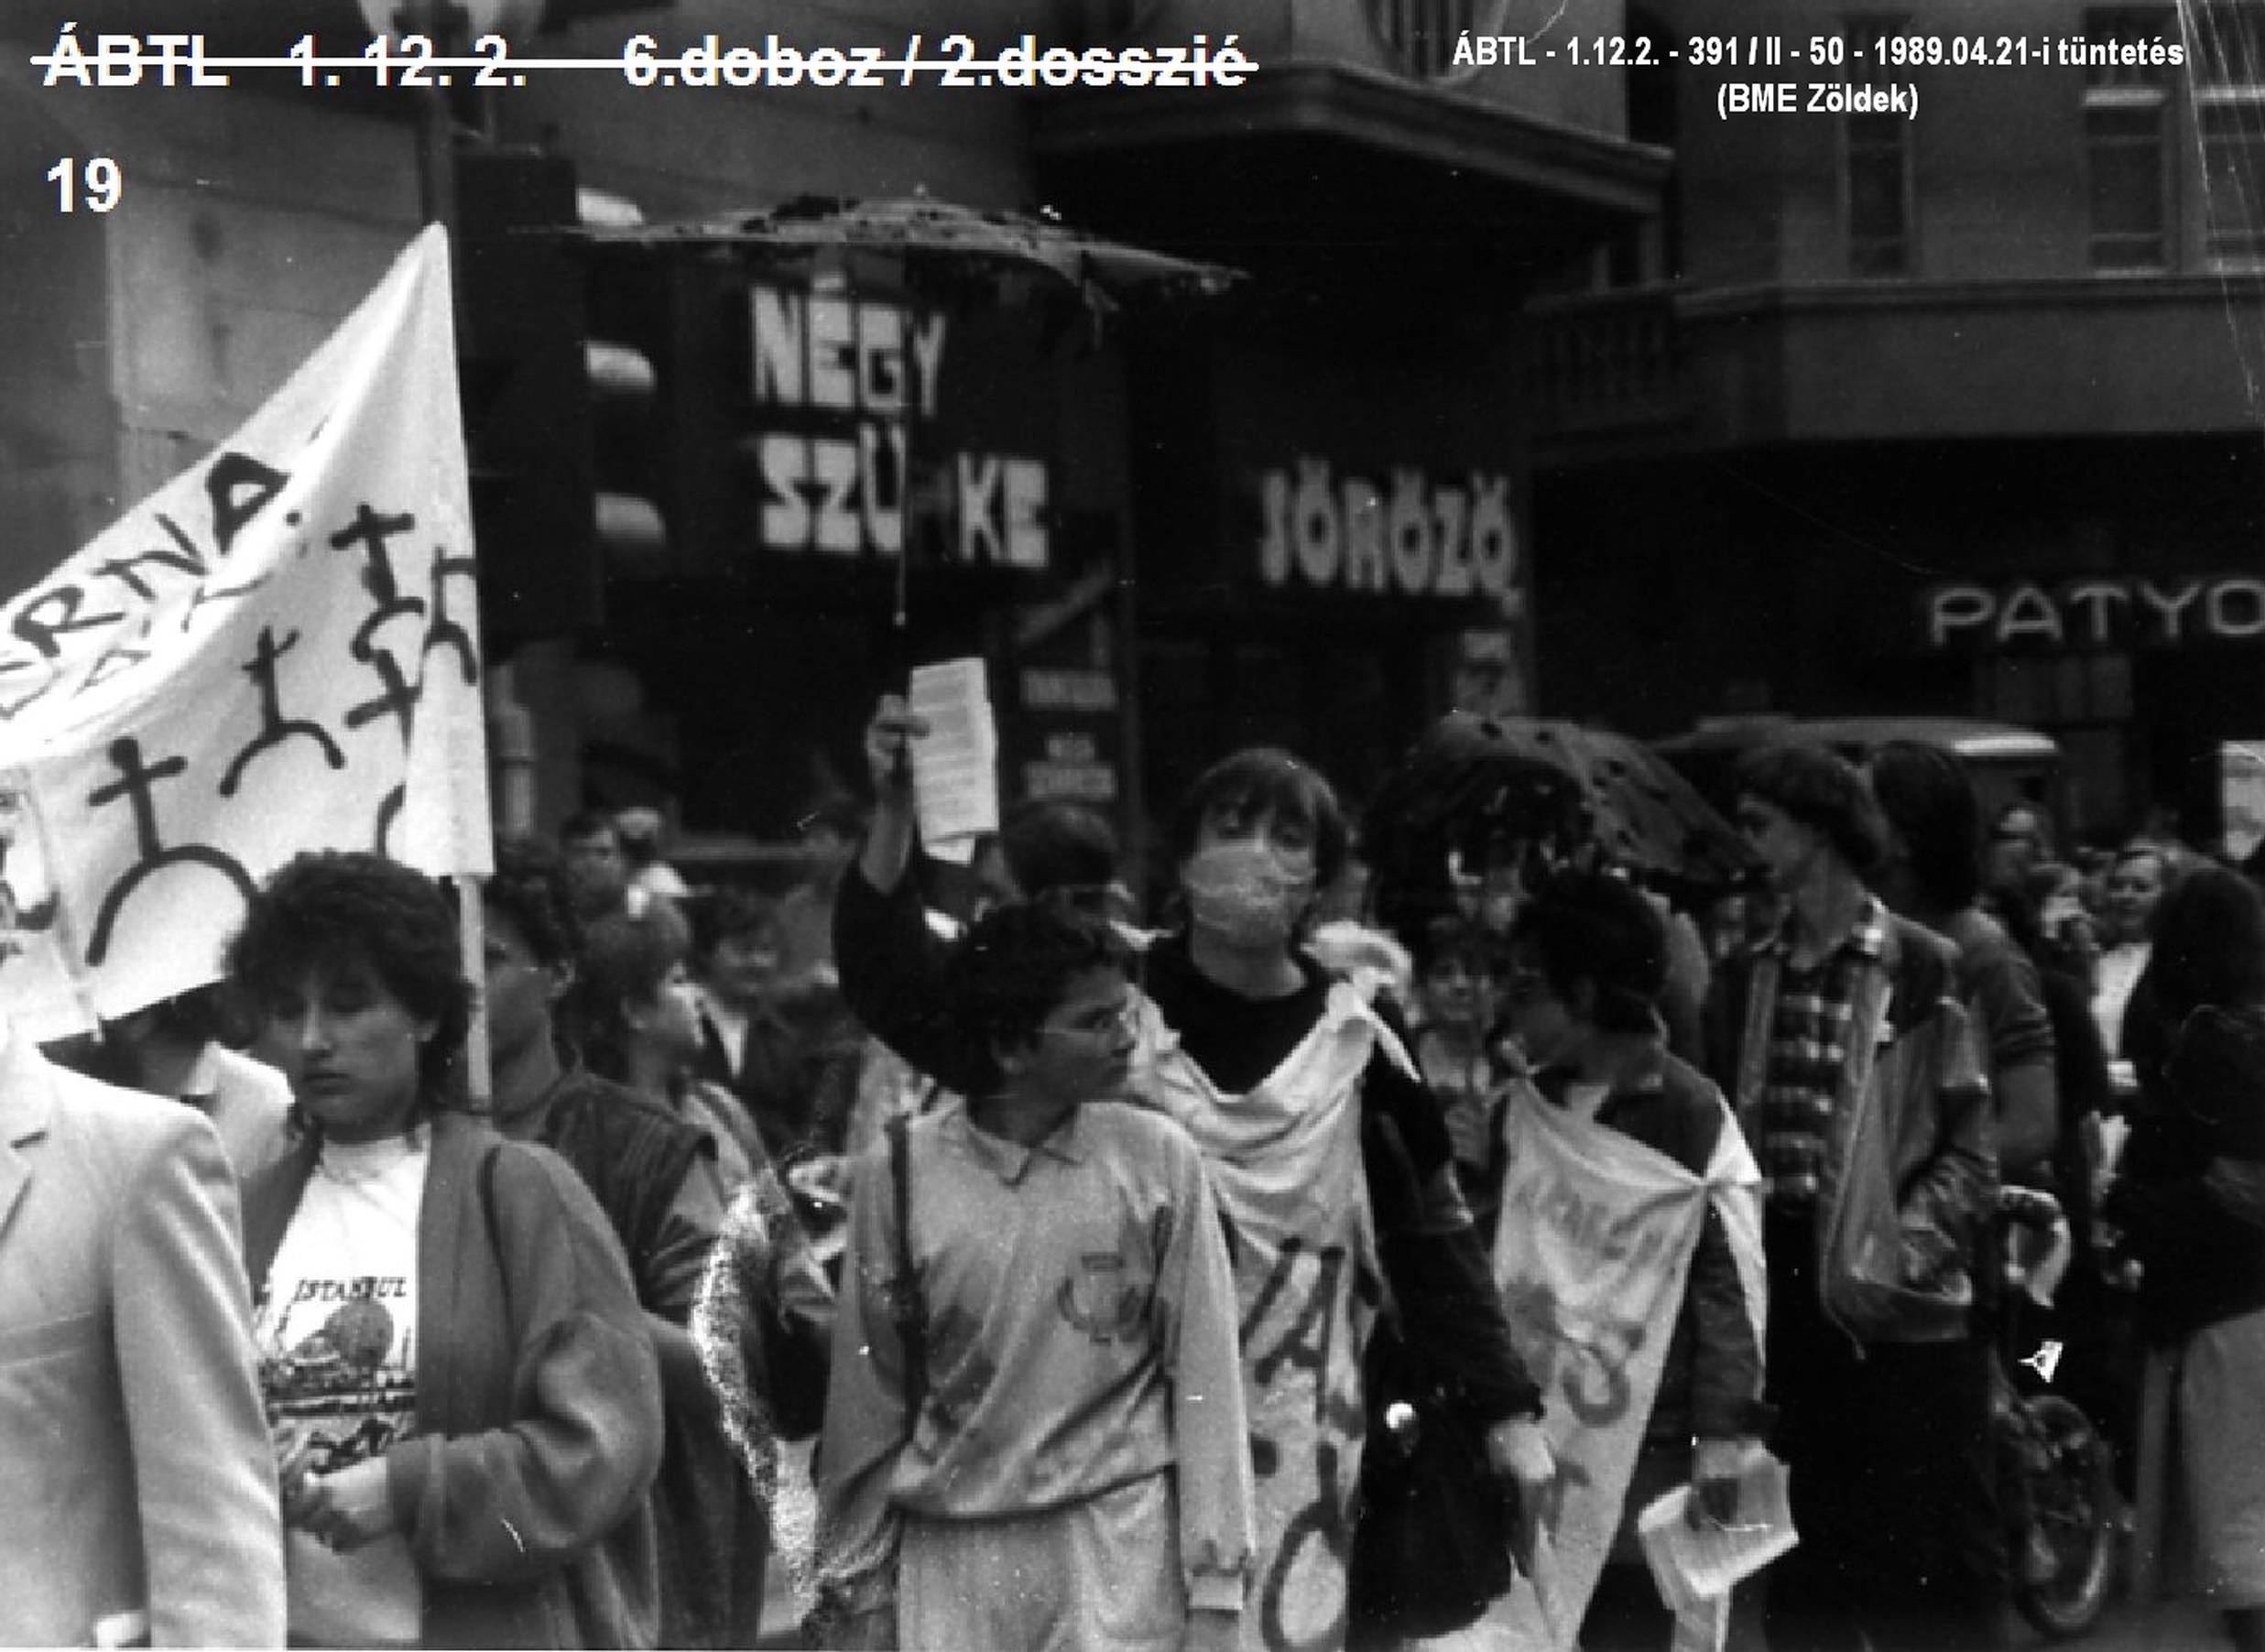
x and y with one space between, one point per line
1285 1164
1593 1255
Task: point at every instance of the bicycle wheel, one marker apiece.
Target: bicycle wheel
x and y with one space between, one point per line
2074 1498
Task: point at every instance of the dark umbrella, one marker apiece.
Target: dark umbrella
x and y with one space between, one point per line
1473 784
941 247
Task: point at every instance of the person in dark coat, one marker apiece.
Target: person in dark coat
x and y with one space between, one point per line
1589 956
655 1177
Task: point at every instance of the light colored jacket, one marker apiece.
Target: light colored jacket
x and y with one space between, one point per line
1911 1171
137 1476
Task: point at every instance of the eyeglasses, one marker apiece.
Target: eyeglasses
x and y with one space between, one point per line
1125 1018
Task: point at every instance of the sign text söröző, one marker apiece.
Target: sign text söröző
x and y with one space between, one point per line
1413 536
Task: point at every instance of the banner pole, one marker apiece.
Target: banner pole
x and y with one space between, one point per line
472 945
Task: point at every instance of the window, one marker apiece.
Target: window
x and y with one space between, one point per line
2229 110
1421 35
1876 165
2128 159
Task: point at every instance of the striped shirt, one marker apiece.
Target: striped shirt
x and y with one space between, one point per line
1808 1051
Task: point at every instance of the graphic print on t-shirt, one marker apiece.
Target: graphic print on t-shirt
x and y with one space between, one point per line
336 1364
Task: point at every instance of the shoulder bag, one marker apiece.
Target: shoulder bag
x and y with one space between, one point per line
1434 1533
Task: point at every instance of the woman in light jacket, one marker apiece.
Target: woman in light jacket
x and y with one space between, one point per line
464 1403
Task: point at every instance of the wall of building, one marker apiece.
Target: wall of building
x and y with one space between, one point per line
260 217
256 223
1998 151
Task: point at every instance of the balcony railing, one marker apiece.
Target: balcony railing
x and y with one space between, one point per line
1606 363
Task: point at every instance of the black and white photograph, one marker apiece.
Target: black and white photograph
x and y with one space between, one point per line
1133 825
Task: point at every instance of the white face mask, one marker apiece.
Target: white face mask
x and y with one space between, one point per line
1248 895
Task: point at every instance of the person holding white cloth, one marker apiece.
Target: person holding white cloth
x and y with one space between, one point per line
1629 1249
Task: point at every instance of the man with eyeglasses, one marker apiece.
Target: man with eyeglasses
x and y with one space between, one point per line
2017 841
1856 1075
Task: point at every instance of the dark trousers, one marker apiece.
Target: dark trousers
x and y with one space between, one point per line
1888 1447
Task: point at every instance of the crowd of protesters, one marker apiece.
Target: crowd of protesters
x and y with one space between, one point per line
1072 1235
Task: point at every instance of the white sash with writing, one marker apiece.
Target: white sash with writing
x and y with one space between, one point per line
1285 1164
1593 1255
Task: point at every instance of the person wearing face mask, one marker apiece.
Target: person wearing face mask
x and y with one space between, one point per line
1325 1148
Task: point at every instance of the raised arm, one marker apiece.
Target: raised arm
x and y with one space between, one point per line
892 964
887 848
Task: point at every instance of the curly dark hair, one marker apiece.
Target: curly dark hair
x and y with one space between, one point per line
1821 789
530 887
622 959
1008 973
331 906
1594 927
1266 778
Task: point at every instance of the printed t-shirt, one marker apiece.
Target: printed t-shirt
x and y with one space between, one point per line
337 1336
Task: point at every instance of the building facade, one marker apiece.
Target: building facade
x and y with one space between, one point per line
1951 410
725 501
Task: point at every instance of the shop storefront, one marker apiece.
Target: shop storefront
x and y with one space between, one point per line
1333 525
853 479
2103 592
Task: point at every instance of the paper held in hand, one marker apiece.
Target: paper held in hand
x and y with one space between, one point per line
954 765
1692 1564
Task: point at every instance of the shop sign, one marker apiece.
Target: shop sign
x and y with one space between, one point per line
848 393
1488 674
1051 690
1070 772
2098 613
2241 794
1412 537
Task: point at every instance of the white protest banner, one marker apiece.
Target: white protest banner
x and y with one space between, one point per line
1277 1156
276 651
1594 1250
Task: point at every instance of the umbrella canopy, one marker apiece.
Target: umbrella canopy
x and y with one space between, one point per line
944 248
946 254
1472 784
1644 814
